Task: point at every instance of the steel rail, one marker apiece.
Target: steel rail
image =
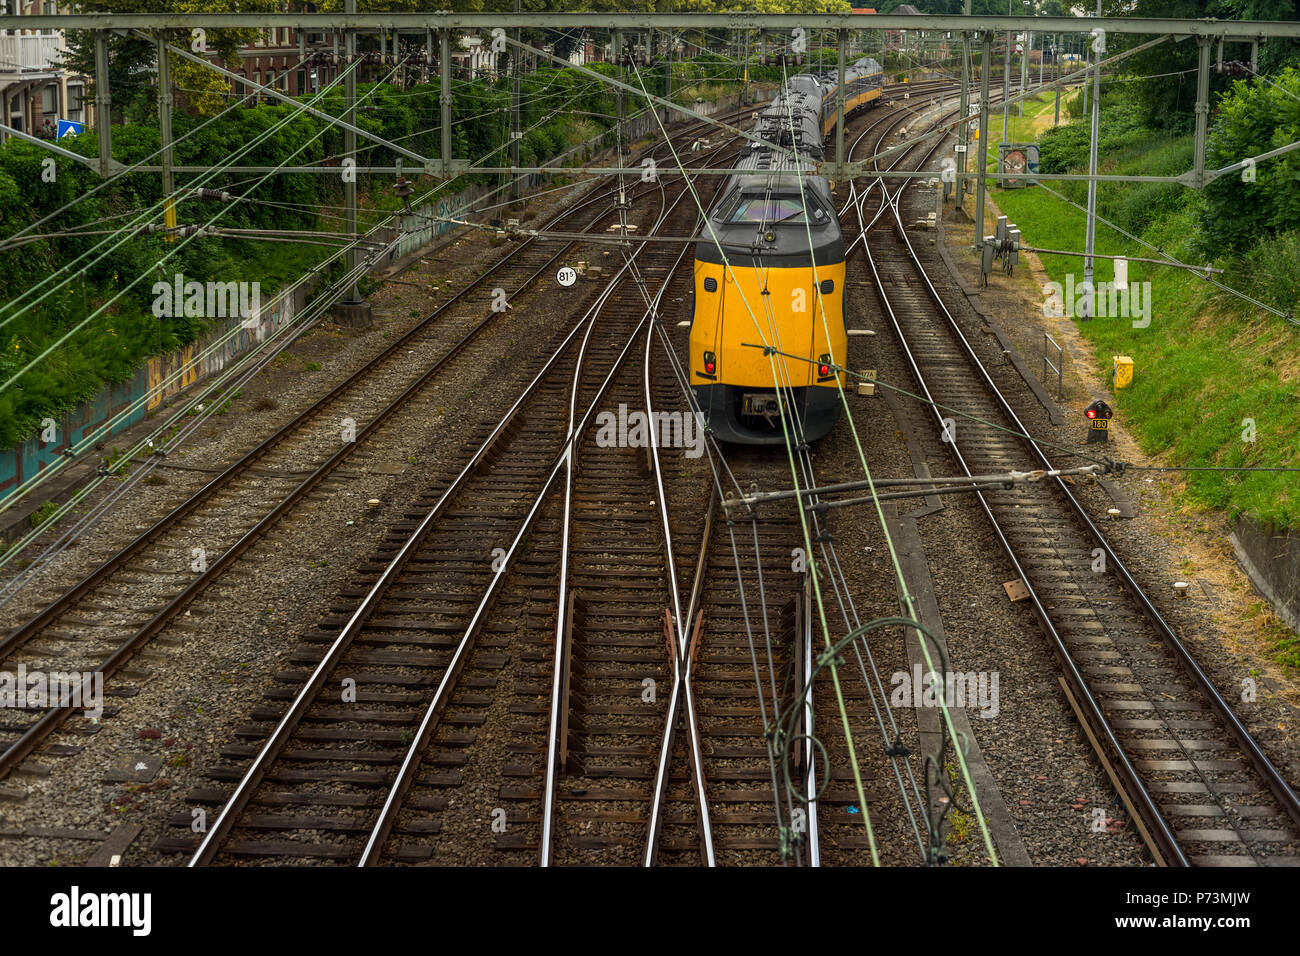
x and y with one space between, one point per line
810 779
575 432
244 791
25 632
210 845
548 794
682 671
683 689
1163 844
406 774
55 716
1273 778
410 764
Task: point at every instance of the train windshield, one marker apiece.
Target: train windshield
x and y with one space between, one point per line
761 209
768 210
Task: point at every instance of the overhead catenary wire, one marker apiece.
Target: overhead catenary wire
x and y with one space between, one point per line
1200 273
21 303
184 423
704 216
179 245
904 593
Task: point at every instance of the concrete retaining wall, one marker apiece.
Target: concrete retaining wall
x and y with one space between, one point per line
1272 560
179 369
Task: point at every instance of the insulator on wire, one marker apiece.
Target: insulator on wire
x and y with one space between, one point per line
187 231
212 194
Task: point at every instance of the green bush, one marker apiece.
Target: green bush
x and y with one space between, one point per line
112 347
1253 117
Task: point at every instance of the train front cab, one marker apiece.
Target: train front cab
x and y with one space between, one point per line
757 299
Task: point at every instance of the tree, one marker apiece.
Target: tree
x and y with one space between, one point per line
132 59
1169 92
1253 117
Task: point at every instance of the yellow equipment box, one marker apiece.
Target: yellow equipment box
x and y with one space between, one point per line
1123 370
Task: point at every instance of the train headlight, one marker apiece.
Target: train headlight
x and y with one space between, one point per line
710 363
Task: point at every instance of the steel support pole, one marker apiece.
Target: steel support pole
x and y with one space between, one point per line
353 295
103 104
1024 70
516 128
1090 237
165 134
982 166
1202 112
842 39
1006 81
444 98
963 131
1042 61
616 43
668 88
1087 66
744 92
1056 63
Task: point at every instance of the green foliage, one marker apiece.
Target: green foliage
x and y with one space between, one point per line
1254 117
561 108
1169 90
43 513
1065 148
1270 271
1209 360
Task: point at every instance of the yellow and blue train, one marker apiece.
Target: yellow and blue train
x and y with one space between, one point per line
759 278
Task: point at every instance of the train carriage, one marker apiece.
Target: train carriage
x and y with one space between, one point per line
770 268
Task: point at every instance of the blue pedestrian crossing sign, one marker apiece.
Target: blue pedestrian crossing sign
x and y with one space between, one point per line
69 128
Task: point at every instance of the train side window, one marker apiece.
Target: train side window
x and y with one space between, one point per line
710 284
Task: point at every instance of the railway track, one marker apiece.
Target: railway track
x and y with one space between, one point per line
109 616
1197 786
585 721
749 654
427 638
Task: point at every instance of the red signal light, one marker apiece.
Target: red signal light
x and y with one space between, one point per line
1092 413
823 370
710 367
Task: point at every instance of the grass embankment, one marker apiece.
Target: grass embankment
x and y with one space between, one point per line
1210 367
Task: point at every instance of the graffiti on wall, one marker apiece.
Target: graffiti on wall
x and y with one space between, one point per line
119 406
